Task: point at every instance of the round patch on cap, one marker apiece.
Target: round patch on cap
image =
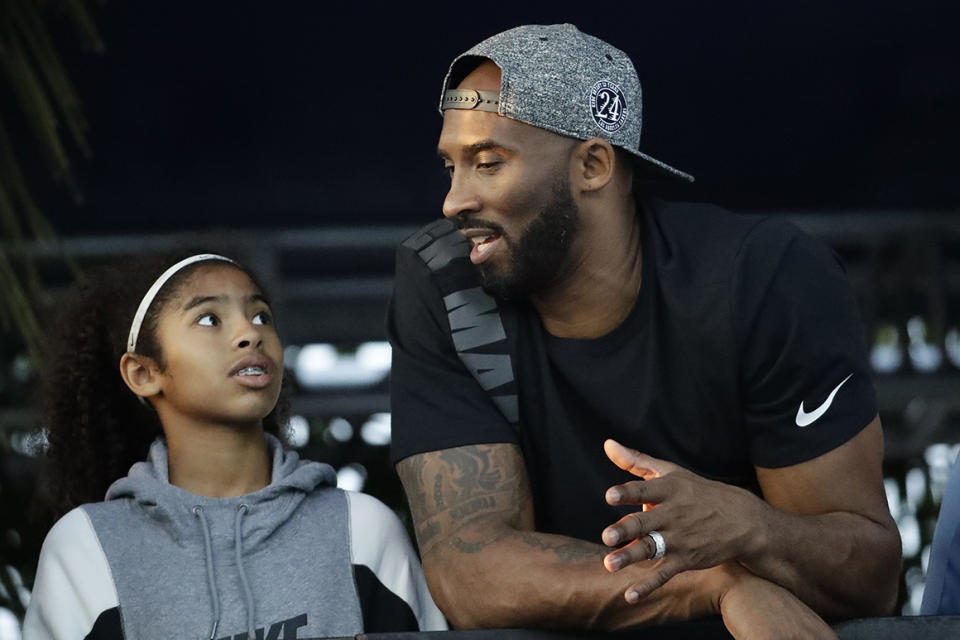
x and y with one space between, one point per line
608 106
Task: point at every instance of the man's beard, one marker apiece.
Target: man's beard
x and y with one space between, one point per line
540 258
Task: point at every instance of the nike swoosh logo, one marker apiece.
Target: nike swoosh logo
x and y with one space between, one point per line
805 419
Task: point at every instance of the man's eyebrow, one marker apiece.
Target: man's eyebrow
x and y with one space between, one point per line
477 147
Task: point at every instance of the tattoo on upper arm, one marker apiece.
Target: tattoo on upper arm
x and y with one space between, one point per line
475 496
451 488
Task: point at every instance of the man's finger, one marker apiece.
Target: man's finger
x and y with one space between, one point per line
667 569
653 491
639 464
632 526
637 551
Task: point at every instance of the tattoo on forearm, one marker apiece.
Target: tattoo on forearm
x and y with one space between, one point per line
465 510
470 484
427 532
438 491
467 547
566 550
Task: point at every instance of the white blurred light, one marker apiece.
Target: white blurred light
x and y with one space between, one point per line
352 477
299 430
290 355
374 356
925 559
30 443
937 457
319 365
924 356
21 369
9 625
893 496
916 485
16 580
952 345
910 536
914 580
376 430
886 356
340 429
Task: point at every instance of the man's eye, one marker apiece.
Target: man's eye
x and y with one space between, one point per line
448 170
263 317
208 320
488 166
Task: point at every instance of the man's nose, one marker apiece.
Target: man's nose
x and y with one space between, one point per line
461 198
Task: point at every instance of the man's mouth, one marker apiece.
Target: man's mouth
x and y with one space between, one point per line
484 242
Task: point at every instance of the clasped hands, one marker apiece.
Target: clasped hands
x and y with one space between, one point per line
704 523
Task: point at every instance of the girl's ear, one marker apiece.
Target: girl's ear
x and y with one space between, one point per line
141 374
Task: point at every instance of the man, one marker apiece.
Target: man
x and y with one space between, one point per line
558 312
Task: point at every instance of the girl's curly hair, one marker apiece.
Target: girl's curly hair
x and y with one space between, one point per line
96 427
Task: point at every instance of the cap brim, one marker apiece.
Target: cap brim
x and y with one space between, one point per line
658 169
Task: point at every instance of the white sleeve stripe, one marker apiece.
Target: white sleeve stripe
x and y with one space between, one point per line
74 584
379 542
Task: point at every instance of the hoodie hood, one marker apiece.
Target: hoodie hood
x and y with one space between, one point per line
148 486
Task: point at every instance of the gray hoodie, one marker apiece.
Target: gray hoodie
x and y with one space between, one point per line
297 559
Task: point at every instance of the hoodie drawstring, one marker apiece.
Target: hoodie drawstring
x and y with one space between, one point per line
211 583
241 511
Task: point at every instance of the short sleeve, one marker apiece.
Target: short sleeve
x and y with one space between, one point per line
436 402
804 369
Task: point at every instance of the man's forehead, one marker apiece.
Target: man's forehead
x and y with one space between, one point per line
468 132
484 77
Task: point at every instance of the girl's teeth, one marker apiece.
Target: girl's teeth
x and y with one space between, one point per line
250 371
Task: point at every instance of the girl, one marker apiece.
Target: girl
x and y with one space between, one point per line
219 532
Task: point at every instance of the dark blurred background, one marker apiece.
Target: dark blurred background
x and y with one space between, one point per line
302 136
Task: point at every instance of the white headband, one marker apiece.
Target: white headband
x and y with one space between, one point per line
152 293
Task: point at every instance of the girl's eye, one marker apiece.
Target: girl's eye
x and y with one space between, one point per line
208 320
262 317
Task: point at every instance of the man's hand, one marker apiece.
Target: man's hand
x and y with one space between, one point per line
827 512
703 523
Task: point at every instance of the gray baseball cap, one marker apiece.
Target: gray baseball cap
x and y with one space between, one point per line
558 78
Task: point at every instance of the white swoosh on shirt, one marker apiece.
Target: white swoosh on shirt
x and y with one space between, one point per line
805 419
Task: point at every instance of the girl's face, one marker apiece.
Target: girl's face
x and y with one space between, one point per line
224 360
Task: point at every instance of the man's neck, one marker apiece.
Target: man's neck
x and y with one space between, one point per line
218 461
603 281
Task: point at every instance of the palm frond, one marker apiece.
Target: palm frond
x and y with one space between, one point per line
48 104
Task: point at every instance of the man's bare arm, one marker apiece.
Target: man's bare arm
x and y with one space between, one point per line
487 567
831 539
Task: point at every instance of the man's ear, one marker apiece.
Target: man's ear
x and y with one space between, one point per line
141 374
596 163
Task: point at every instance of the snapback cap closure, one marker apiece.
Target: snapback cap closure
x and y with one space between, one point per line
471 99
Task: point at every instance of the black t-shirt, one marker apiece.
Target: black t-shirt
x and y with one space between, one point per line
739 320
